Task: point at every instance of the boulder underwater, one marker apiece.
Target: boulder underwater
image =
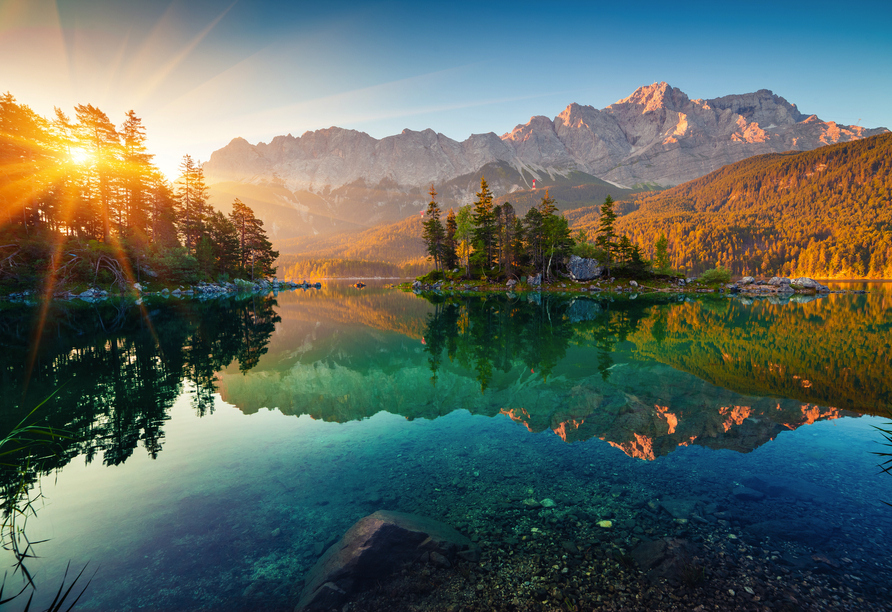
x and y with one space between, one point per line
375 547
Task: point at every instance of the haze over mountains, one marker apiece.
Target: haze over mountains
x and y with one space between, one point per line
657 136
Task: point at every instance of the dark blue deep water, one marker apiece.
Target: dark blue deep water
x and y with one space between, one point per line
214 449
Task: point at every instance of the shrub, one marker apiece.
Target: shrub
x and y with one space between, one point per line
716 275
176 266
431 277
587 250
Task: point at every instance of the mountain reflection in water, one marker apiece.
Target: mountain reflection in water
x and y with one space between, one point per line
646 375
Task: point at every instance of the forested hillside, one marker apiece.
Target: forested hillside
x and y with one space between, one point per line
398 243
822 213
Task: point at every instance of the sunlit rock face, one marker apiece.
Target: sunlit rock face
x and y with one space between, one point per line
656 135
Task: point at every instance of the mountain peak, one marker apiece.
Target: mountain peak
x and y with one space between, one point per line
676 138
655 97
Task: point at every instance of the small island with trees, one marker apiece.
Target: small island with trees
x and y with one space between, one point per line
488 247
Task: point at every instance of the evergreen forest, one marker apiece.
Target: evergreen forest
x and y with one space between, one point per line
824 213
81 204
491 242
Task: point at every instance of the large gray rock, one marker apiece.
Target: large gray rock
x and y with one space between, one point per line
746 280
804 282
375 547
582 269
779 281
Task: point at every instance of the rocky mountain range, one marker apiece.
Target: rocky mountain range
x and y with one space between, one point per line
658 136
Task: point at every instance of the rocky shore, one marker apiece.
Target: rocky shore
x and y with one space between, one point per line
776 286
200 291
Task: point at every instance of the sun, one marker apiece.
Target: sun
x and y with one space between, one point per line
80 156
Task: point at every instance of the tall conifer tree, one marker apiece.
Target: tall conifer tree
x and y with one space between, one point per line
485 225
434 235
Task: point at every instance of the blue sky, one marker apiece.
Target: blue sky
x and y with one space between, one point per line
202 72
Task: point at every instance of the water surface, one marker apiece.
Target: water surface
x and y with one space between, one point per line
218 447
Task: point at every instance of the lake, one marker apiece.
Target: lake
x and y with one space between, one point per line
626 452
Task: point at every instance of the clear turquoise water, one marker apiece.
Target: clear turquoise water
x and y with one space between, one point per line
194 483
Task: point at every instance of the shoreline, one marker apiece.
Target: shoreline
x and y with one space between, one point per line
625 287
137 293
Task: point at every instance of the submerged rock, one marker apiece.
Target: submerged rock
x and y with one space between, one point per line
804 530
375 547
680 508
667 558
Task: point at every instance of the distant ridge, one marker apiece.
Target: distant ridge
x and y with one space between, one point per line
824 213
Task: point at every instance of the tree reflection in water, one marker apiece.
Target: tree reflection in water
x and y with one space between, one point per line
117 370
483 335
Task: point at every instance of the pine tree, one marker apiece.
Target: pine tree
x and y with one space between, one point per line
256 255
192 203
224 238
98 136
464 234
661 254
556 240
162 213
485 226
533 226
137 171
450 254
508 240
606 240
434 235
624 249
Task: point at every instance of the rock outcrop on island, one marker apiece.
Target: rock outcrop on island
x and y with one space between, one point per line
657 135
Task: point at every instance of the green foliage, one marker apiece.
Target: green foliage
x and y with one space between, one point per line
716 275
464 234
587 250
434 234
556 240
485 229
175 266
450 252
432 277
607 240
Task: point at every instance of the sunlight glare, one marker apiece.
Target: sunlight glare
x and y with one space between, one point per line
80 156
